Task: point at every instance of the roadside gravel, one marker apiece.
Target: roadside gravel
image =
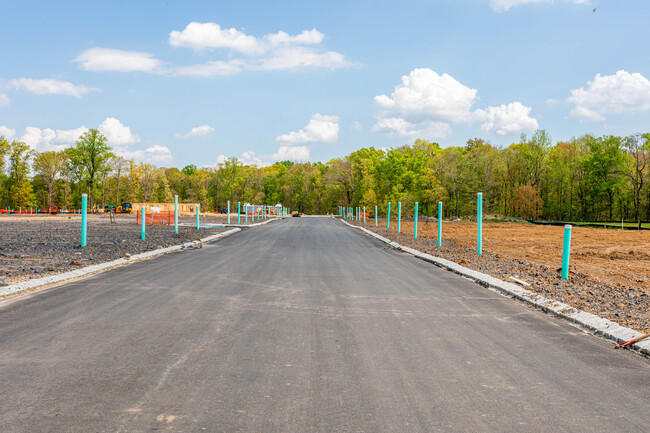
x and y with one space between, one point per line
38 247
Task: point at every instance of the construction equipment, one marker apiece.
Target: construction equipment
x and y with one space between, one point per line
124 208
295 214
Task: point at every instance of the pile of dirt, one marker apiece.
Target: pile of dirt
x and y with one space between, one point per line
609 272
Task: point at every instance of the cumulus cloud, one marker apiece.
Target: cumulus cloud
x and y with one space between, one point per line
270 52
155 153
505 5
198 131
49 86
507 119
7 132
619 93
108 59
320 129
47 139
4 100
426 104
199 36
425 94
117 134
396 126
284 153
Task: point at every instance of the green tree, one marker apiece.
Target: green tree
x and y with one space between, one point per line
93 153
20 188
48 165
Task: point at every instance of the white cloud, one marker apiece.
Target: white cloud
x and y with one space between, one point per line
270 52
294 58
108 59
320 129
7 132
611 94
155 153
49 86
357 125
505 5
117 135
424 94
393 126
198 131
396 126
284 153
199 36
212 69
4 100
426 104
507 119
291 153
48 139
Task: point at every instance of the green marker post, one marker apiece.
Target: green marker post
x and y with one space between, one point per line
399 216
176 214
197 216
415 221
84 222
439 223
364 215
375 216
388 217
566 251
479 225
142 223
228 211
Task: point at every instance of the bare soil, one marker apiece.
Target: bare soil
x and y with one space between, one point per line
609 269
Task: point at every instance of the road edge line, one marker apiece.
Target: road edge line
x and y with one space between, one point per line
594 324
37 283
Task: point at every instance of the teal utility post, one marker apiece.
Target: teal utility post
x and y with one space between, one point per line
228 211
399 216
143 217
415 221
439 223
566 251
479 220
364 215
246 212
375 216
238 212
388 217
176 214
197 216
84 222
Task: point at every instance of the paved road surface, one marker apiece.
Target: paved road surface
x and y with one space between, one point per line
303 325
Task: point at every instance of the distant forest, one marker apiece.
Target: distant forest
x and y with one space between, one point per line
585 178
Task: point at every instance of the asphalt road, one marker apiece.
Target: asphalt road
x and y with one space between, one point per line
303 325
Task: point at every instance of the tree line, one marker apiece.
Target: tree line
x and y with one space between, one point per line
585 178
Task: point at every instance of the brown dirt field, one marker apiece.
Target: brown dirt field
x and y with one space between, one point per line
616 257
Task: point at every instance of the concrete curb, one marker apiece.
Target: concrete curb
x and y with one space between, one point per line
226 225
59 278
595 324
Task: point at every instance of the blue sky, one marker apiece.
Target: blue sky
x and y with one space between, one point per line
181 82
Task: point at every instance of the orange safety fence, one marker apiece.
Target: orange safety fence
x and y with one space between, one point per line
164 218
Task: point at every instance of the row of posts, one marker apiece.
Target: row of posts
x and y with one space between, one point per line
264 212
355 213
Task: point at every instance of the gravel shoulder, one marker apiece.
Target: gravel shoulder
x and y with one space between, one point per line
625 304
35 246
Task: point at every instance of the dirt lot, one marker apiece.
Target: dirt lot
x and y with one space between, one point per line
609 272
617 257
33 246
